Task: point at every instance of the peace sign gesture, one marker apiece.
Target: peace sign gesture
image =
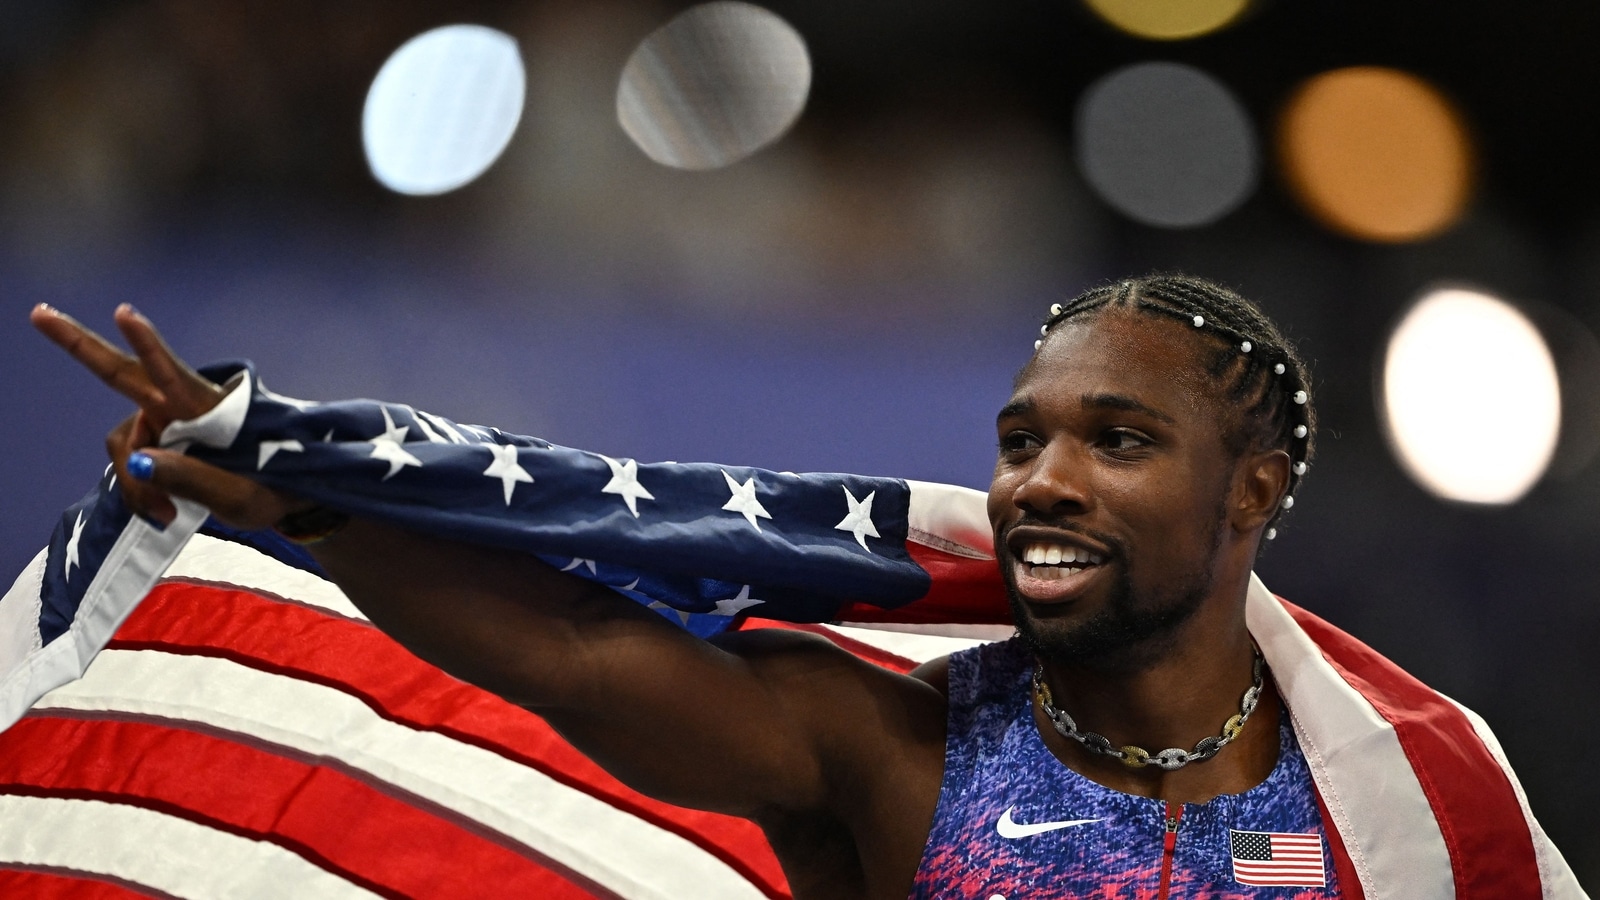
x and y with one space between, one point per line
166 389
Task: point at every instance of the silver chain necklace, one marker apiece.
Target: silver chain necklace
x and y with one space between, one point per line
1135 757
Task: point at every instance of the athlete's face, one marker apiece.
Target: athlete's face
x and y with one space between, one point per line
1110 489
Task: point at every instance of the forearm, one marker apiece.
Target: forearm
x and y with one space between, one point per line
609 674
501 620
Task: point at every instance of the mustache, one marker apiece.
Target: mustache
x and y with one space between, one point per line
1059 523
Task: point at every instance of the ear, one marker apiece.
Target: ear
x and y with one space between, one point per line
1260 482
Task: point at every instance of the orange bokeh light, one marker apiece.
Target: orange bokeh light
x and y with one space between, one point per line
1377 154
1168 20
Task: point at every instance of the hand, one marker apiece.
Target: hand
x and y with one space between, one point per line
166 390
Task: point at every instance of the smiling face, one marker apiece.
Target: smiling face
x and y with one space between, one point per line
1110 494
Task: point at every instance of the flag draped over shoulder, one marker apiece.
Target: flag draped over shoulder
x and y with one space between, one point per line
243 731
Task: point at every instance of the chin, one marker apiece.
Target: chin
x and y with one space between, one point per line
1126 632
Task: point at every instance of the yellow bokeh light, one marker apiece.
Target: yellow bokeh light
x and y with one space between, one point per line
1377 154
1168 20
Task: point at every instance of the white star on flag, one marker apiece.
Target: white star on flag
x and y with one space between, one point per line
72 549
744 500
733 605
387 446
450 434
683 617
625 482
266 450
506 468
579 561
859 520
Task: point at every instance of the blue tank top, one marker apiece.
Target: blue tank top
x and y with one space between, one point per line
1013 823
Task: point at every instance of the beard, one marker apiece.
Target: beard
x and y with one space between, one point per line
1132 630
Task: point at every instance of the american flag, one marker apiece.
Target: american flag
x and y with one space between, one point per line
1273 859
247 733
244 732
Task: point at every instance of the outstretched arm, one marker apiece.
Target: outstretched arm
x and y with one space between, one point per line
756 723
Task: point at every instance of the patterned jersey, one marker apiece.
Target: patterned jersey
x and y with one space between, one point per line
1013 823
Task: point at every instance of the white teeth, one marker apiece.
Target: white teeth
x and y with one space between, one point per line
1043 554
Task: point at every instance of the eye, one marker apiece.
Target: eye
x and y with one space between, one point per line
1123 440
1014 442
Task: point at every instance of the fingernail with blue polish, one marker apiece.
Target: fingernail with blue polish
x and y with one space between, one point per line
141 466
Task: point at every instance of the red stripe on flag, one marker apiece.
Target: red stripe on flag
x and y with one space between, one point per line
1491 849
390 845
857 648
964 591
356 658
54 884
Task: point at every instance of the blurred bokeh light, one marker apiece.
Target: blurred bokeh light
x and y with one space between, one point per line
714 85
1168 20
1471 399
1166 145
1377 154
443 108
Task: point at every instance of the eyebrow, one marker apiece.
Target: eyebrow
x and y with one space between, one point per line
1118 401
1014 408
1024 405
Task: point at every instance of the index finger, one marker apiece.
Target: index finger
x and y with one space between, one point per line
121 372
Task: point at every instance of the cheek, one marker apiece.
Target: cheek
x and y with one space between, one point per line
1174 505
1001 488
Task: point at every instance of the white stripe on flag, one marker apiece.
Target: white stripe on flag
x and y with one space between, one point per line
177 857
19 615
1356 760
1555 875
135 560
613 848
214 561
916 647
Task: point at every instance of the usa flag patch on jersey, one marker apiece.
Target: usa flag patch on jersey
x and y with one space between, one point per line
1272 859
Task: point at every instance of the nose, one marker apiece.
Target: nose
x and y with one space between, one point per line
1055 482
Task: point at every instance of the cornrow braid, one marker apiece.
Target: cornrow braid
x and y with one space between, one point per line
1262 373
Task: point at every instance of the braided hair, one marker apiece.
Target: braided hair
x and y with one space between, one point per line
1263 376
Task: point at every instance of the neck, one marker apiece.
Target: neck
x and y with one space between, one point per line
1173 697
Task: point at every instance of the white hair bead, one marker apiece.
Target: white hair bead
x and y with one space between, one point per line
1055 309
1300 397
1300 468
1272 534
1299 431
1038 344
1044 330
1199 320
1288 502
1278 368
1246 347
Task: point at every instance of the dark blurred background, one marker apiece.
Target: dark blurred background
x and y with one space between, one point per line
856 294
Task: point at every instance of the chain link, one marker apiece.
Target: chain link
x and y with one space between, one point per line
1137 757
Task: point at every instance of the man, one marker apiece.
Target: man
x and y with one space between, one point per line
1130 742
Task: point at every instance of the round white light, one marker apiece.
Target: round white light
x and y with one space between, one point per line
443 108
714 85
1471 399
1166 145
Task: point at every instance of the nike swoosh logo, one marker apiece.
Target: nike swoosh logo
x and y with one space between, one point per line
1011 830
